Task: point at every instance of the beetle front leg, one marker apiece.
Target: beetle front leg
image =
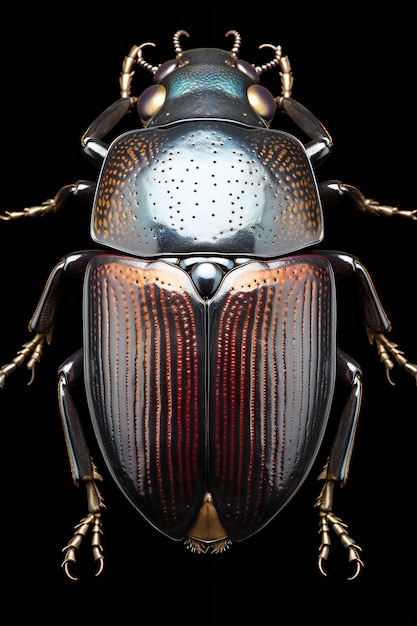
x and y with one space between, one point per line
337 467
93 146
82 467
82 190
319 148
333 191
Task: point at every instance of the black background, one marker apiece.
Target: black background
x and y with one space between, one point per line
354 67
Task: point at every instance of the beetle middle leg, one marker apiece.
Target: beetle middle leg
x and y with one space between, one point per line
44 317
375 318
82 467
337 467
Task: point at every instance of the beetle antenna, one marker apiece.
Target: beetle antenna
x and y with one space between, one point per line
275 61
238 41
141 61
177 45
130 60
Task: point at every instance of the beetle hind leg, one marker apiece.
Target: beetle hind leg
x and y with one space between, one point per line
337 467
82 467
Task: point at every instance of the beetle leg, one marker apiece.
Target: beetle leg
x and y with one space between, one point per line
376 320
337 467
332 191
319 148
43 319
82 190
82 466
93 146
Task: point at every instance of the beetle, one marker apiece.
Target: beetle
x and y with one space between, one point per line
209 356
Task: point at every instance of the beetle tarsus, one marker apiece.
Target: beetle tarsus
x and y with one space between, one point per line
51 205
375 208
48 206
91 521
329 521
32 350
404 213
386 349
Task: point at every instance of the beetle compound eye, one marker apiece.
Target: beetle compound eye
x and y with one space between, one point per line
165 69
262 101
151 100
248 69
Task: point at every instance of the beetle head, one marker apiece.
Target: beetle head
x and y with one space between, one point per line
207 83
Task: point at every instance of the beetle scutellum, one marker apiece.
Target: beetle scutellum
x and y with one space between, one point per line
210 358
